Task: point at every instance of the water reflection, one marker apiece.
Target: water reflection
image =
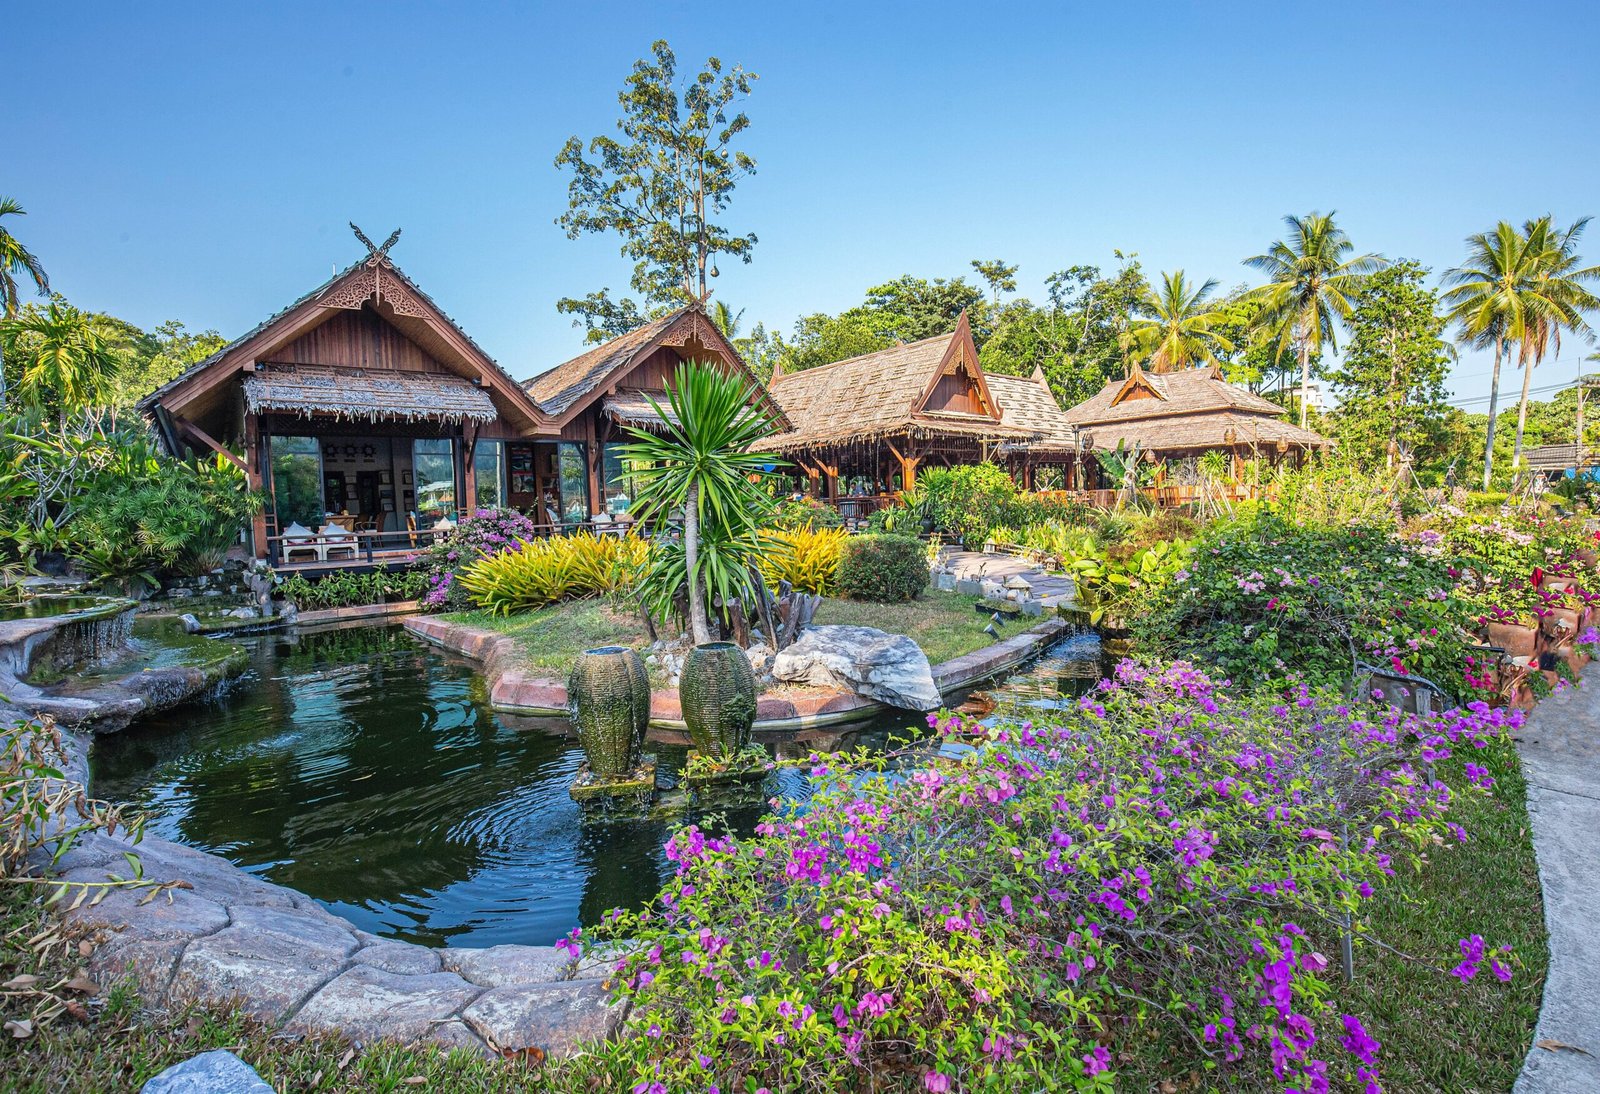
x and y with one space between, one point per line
368 771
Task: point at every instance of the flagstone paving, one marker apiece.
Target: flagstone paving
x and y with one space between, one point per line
1560 747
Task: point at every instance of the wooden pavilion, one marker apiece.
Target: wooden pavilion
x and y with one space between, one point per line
1180 415
367 416
863 427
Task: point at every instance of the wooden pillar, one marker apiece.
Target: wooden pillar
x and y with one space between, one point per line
908 465
255 456
469 471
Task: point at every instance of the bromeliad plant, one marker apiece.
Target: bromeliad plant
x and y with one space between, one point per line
807 558
702 465
1166 851
543 571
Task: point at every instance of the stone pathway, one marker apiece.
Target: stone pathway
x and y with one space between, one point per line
969 571
1560 747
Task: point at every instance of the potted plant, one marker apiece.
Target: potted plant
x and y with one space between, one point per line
608 699
1511 631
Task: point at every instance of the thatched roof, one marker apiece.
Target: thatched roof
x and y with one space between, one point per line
367 394
558 388
880 395
634 408
1192 409
149 402
1029 404
1557 457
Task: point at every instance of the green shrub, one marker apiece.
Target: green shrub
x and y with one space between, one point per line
967 501
798 513
346 589
888 569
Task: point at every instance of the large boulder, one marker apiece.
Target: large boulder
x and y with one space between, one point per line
890 668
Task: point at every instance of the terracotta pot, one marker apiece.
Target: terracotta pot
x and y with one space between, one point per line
1559 584
1516 639
608 700
1588 558
1576 660
717 691
1561 626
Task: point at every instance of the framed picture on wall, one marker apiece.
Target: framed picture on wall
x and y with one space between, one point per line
405 477
386 478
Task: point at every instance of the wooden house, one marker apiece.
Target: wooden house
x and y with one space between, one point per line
863 427
367 417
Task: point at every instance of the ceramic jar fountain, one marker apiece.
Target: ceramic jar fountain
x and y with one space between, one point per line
718 694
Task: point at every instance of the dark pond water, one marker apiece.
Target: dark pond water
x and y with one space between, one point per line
367 770
41 607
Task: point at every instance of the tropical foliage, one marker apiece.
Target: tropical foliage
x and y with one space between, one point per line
347 588
545 570
703 467
807 558
885 568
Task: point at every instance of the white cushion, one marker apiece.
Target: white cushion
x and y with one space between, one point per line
298 531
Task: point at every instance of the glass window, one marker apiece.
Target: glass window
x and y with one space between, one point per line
574 483
433 465
297 482
616 474
488 469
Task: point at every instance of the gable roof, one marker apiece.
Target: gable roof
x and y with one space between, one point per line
1191 409
1190 391
565 390
1029 404
373 281
884 393
367 394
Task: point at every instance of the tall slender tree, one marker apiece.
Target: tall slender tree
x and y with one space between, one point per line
1311 278
1175 324
16 261
1558 303
1489 297
65 363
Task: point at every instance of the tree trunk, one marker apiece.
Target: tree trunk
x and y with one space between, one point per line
1494 402
1522 411
699 629
1305 380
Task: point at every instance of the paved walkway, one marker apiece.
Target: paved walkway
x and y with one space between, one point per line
1561 757
978 566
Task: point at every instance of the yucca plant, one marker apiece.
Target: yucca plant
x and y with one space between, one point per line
703 465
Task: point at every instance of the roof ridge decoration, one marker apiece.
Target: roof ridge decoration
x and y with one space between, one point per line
1137 380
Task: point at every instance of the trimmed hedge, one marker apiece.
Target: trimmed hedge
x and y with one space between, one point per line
887 568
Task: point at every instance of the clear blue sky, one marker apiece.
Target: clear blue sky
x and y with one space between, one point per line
199 162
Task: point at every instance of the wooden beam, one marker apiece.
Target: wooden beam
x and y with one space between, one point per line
207 441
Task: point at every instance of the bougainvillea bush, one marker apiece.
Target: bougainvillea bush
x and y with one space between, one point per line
987 917
485 533
1262 598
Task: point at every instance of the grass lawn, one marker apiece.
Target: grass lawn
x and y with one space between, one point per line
943 624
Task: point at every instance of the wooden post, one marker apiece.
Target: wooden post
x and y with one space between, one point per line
908 465
255 456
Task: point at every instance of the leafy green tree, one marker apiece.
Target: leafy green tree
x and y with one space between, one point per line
1001 277
726 319
1175 328
909 309
702 465
1559 301
16 261
662 187
64 362
1311 278
821 339
1390 381
761 349
1256 359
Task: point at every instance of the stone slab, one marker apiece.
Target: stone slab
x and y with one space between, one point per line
398 957
368 1004
269 973
556 1019
500 966
216 1072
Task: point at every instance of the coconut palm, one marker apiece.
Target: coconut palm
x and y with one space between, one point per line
64 361
16 261
1174 328
1557 303
700 463
1311 278
1489 298
726 319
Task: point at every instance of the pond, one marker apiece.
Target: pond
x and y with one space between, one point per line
368 771
45 607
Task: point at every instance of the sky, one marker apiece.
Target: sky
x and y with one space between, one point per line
199 162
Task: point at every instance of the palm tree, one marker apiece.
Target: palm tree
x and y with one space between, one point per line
726 319
1558 302
700 462
1175 331
1489 297
15 261
63 358
1310 282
